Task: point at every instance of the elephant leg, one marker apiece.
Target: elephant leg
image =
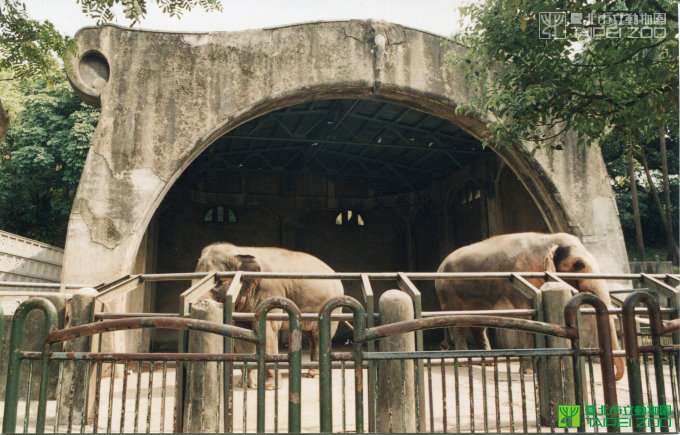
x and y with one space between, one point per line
313 354
480 338
249 378
459 337
272 348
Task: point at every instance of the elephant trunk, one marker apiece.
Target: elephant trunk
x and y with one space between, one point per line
600 289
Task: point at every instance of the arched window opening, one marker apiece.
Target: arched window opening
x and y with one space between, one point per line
470 194
220 215
348 217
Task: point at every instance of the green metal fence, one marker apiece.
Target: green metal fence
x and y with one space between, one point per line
363 335
456 391
90 417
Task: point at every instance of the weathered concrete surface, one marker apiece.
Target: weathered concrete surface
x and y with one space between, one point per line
203 382
396 390
165 97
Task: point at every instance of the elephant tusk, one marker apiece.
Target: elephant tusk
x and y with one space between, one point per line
349 325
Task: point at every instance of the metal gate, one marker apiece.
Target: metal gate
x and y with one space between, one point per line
454 391
455 360
95 412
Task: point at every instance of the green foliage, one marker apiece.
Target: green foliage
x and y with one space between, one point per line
42 157
615 157
539 88
27 46
135 10
615 92
43 154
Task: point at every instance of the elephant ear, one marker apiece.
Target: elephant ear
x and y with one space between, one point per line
549 260
568 259
247 297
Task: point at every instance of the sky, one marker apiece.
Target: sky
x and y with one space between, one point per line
437 16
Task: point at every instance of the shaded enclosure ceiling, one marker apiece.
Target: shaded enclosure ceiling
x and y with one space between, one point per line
388 147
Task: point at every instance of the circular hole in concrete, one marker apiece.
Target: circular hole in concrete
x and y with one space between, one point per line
94 69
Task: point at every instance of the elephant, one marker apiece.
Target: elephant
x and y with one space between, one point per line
308 294
517 252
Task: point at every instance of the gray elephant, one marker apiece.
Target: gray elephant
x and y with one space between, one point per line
308 294
519 252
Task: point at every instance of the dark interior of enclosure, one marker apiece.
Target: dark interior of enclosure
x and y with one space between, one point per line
365 185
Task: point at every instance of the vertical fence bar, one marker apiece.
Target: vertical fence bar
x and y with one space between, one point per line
228 347
406 285
294 361
27 405
633 352
126 367
444 391
60 393
372 371
325 359
13 367
604 339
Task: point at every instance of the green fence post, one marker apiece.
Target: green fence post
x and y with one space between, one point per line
633 351
325 369
571 314
13 368
294 361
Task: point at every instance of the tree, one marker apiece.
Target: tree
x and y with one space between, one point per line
604 89
29 47
47 140
42 158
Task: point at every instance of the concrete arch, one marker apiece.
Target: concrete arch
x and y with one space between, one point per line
166 97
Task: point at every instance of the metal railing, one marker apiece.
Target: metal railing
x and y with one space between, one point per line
455 366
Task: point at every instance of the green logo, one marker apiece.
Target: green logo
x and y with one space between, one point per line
568 416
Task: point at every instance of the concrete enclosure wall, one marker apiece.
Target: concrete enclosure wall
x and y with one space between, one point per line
166 97
27 260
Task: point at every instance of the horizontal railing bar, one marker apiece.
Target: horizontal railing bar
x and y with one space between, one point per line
524 325
148 356
630 290
519 312
54 285
235 316
667 348
437 354
175 323
596 352
37 294
280 360
394 275
617 310
105 316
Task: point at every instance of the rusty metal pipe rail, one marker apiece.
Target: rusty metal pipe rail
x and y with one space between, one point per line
148 356
520 312
47 285
493 353
150 322
468 321
412 275
235 316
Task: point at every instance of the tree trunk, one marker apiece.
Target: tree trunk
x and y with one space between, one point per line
4 122
670 239
636 206
672 253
